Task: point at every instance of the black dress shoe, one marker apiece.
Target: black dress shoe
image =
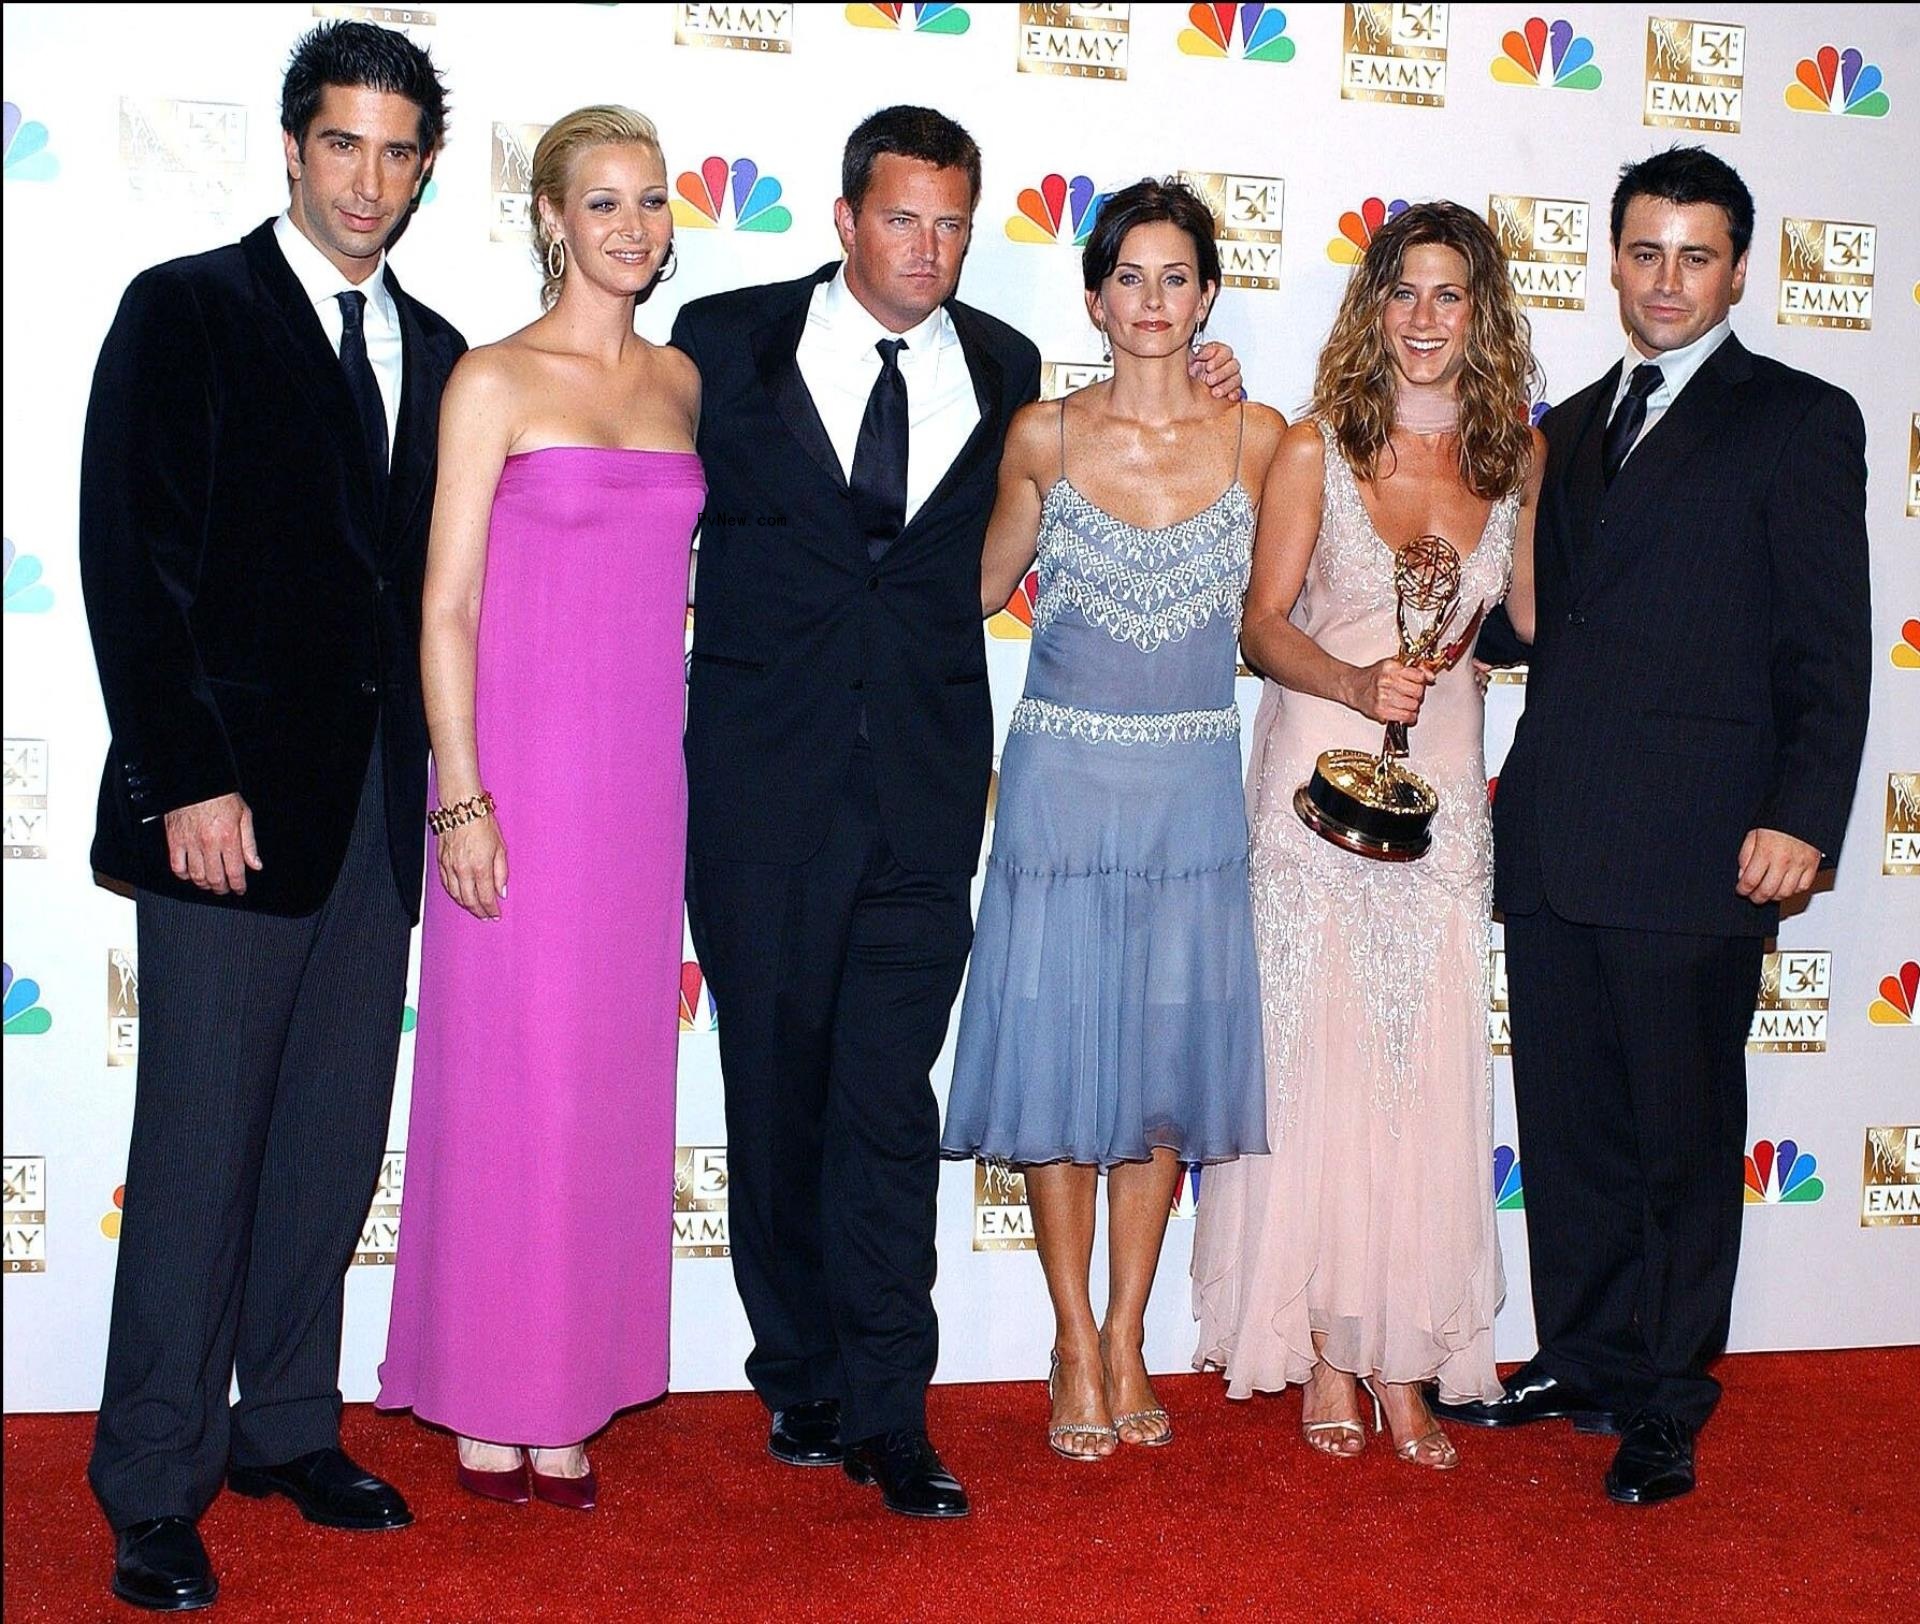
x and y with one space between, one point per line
1655 1461
1531 1395
807 1434
161 1565
329 1489
912 1480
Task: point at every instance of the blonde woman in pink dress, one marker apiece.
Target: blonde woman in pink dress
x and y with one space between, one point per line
530 1296
1362 1250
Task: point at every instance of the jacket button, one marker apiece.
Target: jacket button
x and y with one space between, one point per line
369 687
1576 617
379 583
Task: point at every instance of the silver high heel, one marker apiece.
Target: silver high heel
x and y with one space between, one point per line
1072 1429
1432 1449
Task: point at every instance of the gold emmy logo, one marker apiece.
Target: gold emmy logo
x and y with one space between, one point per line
1002 1220
1913 468
402 19
379 1241
1515 674
123 1006
1890 1179
1545 243
1078 42
1826 274
700 1201
1499 1022
513 146
1903 824
26 797
26 1214
1395 53
735 28
1247 211
1790 1016
1059 378
184 154
1696 74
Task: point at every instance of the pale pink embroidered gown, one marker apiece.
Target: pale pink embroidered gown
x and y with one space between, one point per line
1372 1219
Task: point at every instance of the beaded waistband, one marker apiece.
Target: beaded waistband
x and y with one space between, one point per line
1102 727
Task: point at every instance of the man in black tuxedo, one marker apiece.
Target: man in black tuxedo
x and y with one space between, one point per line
255 488
839 744
1696 708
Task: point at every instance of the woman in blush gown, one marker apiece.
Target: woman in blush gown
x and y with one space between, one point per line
530 1295
1363 1247
1111 1021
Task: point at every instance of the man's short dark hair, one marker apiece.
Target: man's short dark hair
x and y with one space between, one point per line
1145 203
354 55
1688 175
907 132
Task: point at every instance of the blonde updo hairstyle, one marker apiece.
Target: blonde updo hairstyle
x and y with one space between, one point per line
553 160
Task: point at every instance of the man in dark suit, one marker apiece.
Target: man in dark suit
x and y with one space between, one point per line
255 490
839 744
1696 708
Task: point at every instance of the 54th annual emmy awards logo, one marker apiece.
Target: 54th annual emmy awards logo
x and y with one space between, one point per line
413 21
1247 213
700 1201
735 28
1058 378
1903 824
183 154
1545 243
123 1006
513 146
1790 1016
1826 274
379 1241
26 798
1499 1019
1002 1220
1076 42
1696 75
1890 1179
26 1215
1395 53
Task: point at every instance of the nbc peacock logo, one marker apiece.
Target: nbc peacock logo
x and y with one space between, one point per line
926 19
1838 81
1899 993
1247 33
25 594
1015 622
1905 653
736 195
1057 211
1547 56
1509 1194
26 1016
27 157
692 983
1357 227
1781 1175
1186 1194
110 1219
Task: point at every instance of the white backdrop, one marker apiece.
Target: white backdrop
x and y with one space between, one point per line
137 133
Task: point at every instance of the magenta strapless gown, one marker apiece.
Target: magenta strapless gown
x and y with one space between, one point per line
535 1256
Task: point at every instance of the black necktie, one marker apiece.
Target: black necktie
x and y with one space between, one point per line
362 385
1628 417
879 481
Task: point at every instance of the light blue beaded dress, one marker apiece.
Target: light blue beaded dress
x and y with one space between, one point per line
1113 1003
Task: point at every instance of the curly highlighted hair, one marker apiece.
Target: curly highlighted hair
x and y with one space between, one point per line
1354 384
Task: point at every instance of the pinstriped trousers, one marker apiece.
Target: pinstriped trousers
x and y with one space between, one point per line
267 1052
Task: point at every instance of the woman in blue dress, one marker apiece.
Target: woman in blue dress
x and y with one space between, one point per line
1112 1014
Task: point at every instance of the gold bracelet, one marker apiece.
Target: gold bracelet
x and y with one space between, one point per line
442 818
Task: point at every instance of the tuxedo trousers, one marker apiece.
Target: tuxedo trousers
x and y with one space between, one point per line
833 980
1630 1088
267 1053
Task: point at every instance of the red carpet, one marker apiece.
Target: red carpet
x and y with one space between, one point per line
1806 1511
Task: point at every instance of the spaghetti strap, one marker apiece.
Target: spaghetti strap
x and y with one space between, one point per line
1240 439
1063 437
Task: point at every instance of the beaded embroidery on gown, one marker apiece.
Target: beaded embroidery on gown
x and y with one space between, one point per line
1112 1002
1372 1220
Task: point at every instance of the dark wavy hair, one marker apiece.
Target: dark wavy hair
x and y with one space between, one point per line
1688 175
907 132
1145 203
354 55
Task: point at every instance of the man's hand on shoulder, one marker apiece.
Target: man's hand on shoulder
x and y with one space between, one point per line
1775 866
211 843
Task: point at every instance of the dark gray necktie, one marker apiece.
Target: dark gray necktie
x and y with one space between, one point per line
1628 417
879 478
363 386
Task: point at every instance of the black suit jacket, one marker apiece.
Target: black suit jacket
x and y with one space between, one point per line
795 630
254 616
1702 655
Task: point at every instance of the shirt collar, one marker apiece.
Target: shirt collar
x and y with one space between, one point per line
855 327
323 281
1677 367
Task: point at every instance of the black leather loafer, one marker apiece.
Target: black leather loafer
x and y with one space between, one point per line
1655 1461
912 1480
160 1564
329 1489
1531 1395
807 1434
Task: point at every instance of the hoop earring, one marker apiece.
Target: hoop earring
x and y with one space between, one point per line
668 266
556 272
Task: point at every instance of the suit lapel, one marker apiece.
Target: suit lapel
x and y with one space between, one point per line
987 374
422 374
294 330
1583 484
776 347
1669 445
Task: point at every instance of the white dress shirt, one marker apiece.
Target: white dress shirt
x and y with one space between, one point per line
1677 368
838 363
322 281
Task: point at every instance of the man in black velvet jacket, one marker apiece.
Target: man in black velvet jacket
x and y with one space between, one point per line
255 490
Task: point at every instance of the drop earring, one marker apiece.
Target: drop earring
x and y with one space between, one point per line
1106 347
